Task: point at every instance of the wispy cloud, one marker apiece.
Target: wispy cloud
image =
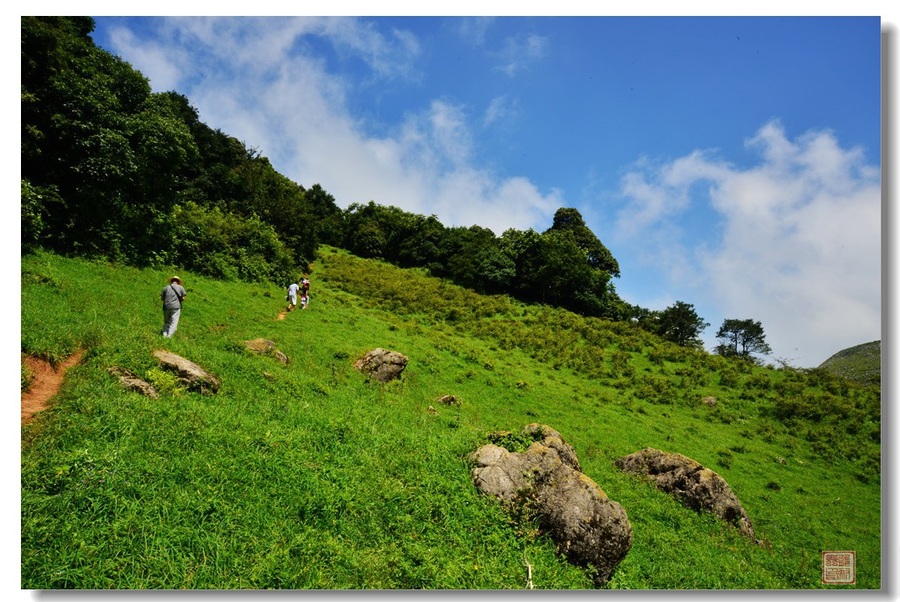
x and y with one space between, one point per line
521 51
260 45
473 30
499 109
799 244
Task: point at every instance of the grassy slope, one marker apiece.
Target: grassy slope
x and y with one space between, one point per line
861 363
309 476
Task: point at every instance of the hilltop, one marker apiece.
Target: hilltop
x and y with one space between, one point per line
307 475
861 363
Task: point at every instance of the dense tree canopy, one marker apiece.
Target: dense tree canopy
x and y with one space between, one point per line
111 169
567 219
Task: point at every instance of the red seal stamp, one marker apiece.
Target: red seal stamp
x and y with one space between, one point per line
839 568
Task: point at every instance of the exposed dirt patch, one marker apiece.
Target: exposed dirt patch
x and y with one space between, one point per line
45 384
282 315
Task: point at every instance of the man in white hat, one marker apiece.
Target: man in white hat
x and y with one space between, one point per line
172 297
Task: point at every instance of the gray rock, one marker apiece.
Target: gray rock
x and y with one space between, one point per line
193 376
588 528
130 381
382 365
266 347
692 484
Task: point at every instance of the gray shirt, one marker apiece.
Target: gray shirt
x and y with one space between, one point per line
172 296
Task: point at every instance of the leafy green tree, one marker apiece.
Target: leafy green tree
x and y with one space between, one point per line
367 240
523 247
327 216
93 132
398 236
36 203
553 268
215 177
473 257
742 338
566 278
417 243
680 324
369 228
567 219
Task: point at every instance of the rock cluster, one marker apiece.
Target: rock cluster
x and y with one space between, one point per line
589 529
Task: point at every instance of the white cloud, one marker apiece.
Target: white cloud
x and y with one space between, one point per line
799 248
156 62
256 80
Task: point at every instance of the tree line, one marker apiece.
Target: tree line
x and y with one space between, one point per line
113 170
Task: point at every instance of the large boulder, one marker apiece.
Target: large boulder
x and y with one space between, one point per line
589 529
193 376
382 365
692 484
266 347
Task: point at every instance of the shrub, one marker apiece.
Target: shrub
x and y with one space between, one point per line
227 246
729 377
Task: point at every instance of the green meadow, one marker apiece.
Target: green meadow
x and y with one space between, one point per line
311 476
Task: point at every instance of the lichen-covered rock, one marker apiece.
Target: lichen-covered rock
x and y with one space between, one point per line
589 529
193 376
382 365
692 484
552 439
266 347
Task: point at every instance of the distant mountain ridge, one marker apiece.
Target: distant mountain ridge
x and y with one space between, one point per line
861 363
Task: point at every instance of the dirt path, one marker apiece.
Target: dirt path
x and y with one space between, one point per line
46 383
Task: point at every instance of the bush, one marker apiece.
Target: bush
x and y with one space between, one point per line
227 246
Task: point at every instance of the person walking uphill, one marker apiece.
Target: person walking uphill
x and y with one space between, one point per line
172 297
304 292
292 296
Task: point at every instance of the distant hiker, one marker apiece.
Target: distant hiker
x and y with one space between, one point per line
304 292
172 297
292 296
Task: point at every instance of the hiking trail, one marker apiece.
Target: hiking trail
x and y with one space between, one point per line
45 384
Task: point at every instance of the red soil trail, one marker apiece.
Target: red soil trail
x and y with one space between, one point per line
45 384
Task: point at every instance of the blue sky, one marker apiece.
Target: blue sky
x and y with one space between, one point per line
732 163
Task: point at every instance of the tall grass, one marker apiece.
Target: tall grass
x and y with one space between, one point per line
310 476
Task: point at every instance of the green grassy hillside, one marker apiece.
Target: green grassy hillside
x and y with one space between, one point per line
861 363
311 476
